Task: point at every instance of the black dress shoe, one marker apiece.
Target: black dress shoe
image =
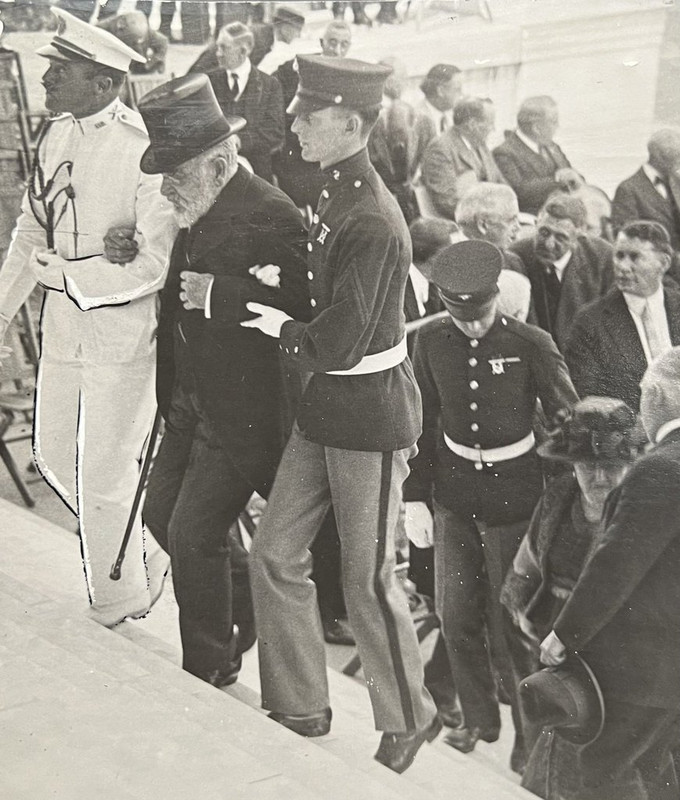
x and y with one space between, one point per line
451 717
464 739
223 677
397 750
305 724
338 631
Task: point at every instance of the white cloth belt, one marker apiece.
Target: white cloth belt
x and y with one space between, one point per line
494 453
376 362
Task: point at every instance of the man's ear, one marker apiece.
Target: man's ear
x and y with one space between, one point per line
103 84
353 124
220 170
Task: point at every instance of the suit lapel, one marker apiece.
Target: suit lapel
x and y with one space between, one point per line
622 331
652 197
537 162
672 304
252 95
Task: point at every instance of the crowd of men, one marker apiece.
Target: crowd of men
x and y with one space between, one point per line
290 215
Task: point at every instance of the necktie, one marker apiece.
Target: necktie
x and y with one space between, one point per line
553 288
234 86
662 187
547 156
655 340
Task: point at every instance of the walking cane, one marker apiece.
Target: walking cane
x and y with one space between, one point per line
114 575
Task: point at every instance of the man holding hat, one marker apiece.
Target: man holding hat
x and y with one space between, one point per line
358 421
219 385
481 374
622 615
94 399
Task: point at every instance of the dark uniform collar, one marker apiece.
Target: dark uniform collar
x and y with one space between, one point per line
348 169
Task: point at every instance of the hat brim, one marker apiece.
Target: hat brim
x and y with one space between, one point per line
156 160
587 734
555 452
49 51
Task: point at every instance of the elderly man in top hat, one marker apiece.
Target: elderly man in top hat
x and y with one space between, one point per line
219 385
622 615
481 374
95 399
358 421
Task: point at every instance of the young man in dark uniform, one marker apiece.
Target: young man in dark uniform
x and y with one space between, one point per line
356 428
481 374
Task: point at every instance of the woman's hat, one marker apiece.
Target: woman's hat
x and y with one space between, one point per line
595 429
183 120
567 698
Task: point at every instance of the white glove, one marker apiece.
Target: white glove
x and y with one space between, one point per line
419 524
270 322
47 268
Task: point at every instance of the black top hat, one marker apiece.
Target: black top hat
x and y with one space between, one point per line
567 698
326 81
183 119
465 272
600 429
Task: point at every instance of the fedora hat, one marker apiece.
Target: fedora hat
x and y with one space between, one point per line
183 120
567 698
601 429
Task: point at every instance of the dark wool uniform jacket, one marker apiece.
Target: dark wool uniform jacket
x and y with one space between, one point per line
359 252
483 392
235 372
623 613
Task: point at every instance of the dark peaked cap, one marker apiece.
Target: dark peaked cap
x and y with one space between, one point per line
465 271
183 120
327 81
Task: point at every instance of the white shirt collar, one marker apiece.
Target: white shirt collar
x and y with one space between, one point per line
636 304
438 115
242 73
530 143
666 428
651 172
561 264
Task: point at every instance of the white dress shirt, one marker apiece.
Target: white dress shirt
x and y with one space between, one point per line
656 179
530 143
561 264
242 73
655 303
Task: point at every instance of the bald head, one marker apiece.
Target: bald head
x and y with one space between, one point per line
337 39
664 150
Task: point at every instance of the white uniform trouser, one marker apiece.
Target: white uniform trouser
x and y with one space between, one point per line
91 424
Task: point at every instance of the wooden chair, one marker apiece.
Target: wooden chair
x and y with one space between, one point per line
17 390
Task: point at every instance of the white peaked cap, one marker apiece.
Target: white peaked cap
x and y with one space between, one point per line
78 39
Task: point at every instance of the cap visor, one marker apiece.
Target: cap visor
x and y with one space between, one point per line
305 105
48 51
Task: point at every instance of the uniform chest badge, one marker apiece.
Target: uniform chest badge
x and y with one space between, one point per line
325 230
498 364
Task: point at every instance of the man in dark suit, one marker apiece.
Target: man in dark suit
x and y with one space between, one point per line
442 87
459 158
218 384
242 90
654 190
567 269
622 616
615 337
531 162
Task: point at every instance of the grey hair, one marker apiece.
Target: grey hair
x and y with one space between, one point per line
483 200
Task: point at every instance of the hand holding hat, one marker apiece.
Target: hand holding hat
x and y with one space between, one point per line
553 652
47 268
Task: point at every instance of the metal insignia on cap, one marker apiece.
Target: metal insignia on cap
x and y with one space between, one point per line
337 98
464 296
